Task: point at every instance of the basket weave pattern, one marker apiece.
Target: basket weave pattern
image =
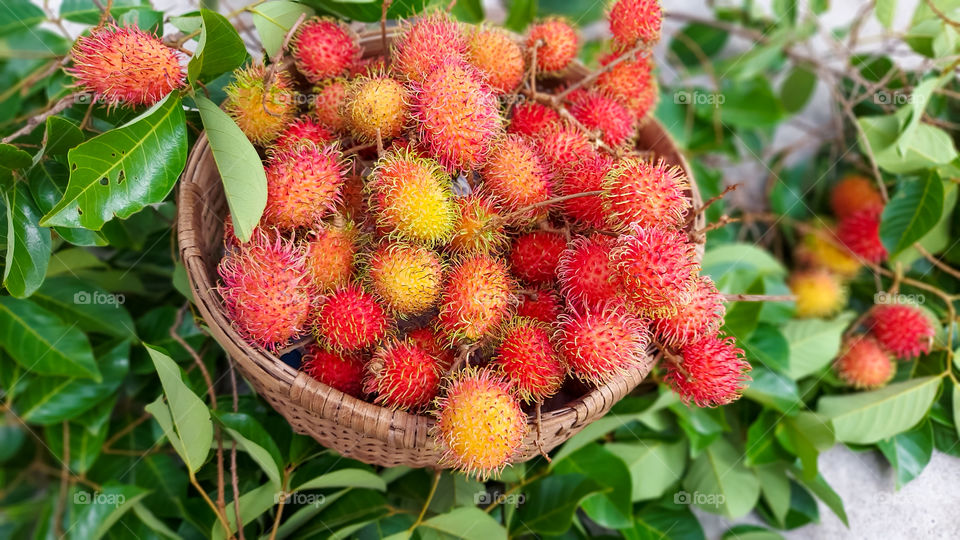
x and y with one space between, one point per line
355 428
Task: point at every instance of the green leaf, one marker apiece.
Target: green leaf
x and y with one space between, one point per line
867 417
470 11
123 170
750 532
87 434
241 170
60 136
768 346
796 89
775 490
219 49
762 446
806 435
582 12
825 493
42 343
253 503
927 146
93 308
187 420
14 158
718 482
912 212
93 514
736 256
355 478
654 465
19 14
612 507
469 523
153 522
751 104
885 9
774 390
49 400
28 244
48 181
909 452
254 440
956 408
274 19
665 523
87 11
814 343
708 39
521 13
552 501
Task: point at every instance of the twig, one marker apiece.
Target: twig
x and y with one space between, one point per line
586 81
379 143
281 503
64 482
937 262
506 218
65 103
759 297
221 517
724 220
703 207
383 29
294 345
359 148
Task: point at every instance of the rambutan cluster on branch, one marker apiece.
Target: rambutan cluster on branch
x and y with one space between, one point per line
473 253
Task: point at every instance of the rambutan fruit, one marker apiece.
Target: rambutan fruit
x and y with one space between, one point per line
261 112
819 293
599 345
564 146
476 298
517 175
376 104
655 269
412 197
478 228
457 115
403 376
821 249
369 66
426 45
903 329
702 316
585 274
647 193
535 256
302 129
405 277
853 194
863 363
711 373
635 21
328 100
860 233
353 198
124 65
556 43
266 291
530 118
480 425
542 305
631 82
497 56
341 371
585 176
350 319
602 113
331 252
323 48
528 360
303 184
430 341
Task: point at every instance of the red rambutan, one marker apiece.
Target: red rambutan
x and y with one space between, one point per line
631 82
863 363
647 193
634 21
528 360
655 268
860 233
426 45
585 274
711 373
902 328
534 256
700 317
303 184
476 298
125 66
478 228
517 175
324 47
457 115
341 371
599 345
350 319
403 376
564 146
542 305
328 100
585 176
556 43
266 291
302 129
497 56
601 112
430 341
530 118
854 194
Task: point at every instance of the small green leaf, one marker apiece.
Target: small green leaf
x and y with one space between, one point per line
48 181
774 390
665 523
796 89
927 146
654 465
751 104
88 12
14 158
42 343
718 482
254 440
775 490
355 478
241 170
469 523
123 170
912 212
708 39
253 503
93 514
28 244
612 508
93 308
868 417
814 343
806 435
87 434
909 452
470 11
885 10
750 532
825 493
219 49
521 14
274 19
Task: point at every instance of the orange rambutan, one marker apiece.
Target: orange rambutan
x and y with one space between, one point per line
555 42
517 175
261 112
412 198
602 113
599 345
303 184
535 256
821 248
457 115
266 291
655 269
903 329
702 316
855 193
405 277
331 252
564 146
343 372
497 56
711 373
302 129
584 176
528 360
324 47
403 376
124 65
376 106
480 425
476 298
478 228
860 233
647 193
635 21
350 319
631 82
585 273
542 305
328 100
863 363
426 45
530 118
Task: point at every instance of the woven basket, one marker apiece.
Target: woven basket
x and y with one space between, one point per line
352 427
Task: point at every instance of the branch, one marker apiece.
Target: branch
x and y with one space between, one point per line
703 207
65 103
630 54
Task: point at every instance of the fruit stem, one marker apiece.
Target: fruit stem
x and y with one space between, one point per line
703 207
493 223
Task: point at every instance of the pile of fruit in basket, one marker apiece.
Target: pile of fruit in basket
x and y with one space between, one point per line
460 229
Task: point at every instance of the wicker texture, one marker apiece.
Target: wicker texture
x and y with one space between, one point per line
353 427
